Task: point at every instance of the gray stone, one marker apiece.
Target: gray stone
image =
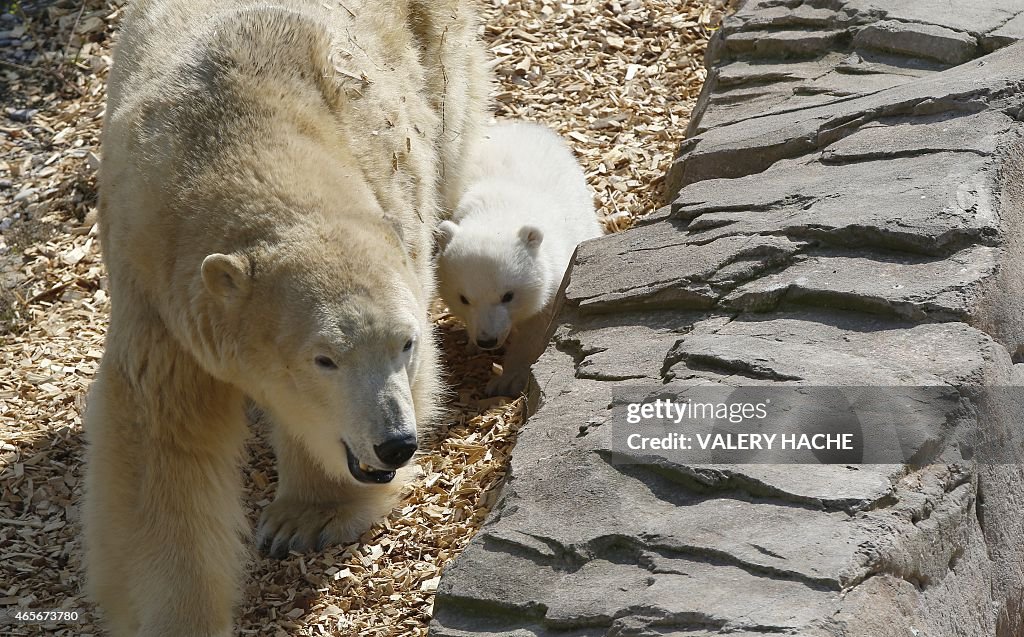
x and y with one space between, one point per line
748 90
765 15
784 43
1008 33
751 146
624 346
954 133
615 597
849 488
844 219
638 548
897 38
906 287
768 76
966 17
654 267
918 40
912 209
754 536
860 351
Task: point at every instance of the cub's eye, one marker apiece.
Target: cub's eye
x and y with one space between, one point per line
507 298
407 346
464 300
325 363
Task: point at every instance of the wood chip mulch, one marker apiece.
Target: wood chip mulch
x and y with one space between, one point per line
617 79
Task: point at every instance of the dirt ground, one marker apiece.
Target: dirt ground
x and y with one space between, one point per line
617 79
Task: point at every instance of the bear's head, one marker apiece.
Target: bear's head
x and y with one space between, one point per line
325 334
491 280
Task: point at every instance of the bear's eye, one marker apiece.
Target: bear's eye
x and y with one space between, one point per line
464 300
507 298
325 363
407 346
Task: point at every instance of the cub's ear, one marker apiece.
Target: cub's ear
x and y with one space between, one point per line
445 233
226 275
532 236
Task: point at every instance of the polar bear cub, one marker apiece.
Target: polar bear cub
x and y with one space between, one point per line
502 256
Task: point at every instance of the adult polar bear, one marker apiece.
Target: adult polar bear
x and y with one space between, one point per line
272 173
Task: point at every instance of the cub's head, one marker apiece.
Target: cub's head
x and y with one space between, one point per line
490 280
328 337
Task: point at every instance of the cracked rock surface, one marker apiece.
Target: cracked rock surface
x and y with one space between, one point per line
847 209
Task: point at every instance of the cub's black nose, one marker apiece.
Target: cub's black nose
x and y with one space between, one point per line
486 343
397 451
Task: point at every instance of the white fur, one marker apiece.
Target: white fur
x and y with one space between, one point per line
526 208
272 175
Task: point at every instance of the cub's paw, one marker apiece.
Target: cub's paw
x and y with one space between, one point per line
291 525
512 382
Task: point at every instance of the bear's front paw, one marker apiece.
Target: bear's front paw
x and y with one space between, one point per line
512 382
291 525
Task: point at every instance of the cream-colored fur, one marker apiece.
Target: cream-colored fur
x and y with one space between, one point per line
504 254
271 175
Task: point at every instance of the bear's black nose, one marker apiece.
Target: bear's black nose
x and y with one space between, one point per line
486 343
397 451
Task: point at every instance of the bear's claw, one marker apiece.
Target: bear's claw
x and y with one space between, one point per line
287 525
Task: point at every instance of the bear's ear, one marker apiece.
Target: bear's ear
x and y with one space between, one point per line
445 233
532 236
226 275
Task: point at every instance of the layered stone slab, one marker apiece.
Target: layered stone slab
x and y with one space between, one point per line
848 210
849 49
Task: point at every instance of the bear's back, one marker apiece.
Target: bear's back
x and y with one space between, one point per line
525 173
197 86
228 120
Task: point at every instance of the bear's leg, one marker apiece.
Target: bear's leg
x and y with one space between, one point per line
190 549
313 510
163 516
110 476
526 346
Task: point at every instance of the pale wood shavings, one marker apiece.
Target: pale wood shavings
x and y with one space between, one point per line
53 305
617 79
